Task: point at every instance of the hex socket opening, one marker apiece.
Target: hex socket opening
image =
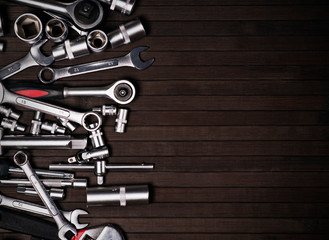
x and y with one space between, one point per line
56 30
28 28
97 41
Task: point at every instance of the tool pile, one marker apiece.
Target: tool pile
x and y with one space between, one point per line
71 29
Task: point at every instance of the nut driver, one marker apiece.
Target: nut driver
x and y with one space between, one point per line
86 14
71 216
122 91
132 59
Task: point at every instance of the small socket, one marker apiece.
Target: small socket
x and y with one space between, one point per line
9 112
53 128
36 123
97 41
66 123
105 110
56 30
12 125
121 120
28 27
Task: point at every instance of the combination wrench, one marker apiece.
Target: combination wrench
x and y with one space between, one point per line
65 229
34 58
121 91
49 75
86 14
71 216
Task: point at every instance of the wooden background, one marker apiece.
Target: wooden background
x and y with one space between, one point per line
233 113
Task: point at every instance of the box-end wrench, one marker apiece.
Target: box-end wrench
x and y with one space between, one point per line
86 14
49 75
34 58
84 119
65 229
122 91
71 216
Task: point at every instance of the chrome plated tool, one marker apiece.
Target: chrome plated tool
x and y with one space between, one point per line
132 59
34 58
86 14
121 91
66 230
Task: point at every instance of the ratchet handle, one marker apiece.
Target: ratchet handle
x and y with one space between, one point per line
27 224
34 90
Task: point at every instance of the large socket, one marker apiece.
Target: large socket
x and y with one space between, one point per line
28 27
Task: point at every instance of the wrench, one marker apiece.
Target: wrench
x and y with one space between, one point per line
65 229
78 117
86 14
132 59
122 91
34 58
71 216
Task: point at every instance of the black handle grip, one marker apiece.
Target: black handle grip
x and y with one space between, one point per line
34 90
27 224
4 168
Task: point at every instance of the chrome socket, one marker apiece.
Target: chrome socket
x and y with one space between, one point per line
66 123
121 121
54 193
28 27
97 41
123 6
1 27
36 123
126 33
71 49
12 125
105 110
56 30
9 112
118 195
96 137
53 128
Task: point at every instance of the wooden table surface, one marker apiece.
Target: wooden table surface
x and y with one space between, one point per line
233 113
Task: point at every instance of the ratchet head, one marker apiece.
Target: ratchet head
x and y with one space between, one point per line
38 56
74 218
122 92
136 59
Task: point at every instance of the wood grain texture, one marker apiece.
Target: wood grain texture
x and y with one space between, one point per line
233 113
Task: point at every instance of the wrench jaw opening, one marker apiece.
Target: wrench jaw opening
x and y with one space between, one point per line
38 56
136 60
122 92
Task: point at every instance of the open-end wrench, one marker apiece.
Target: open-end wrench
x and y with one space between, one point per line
122 91
86 14
132 59
34 58
65 229
84 119
71 216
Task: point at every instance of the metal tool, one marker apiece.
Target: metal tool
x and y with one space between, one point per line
12 125
41 142
44 173
122 91
126 33
118 195
86 14
54 193
71 216
34 58
53 128
36 122
106 110
28 27
99 167
57 183
132 59
9 112
123 6
97 41
84 119
1 26
121 120
2 46
65 229
56 30
70 49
